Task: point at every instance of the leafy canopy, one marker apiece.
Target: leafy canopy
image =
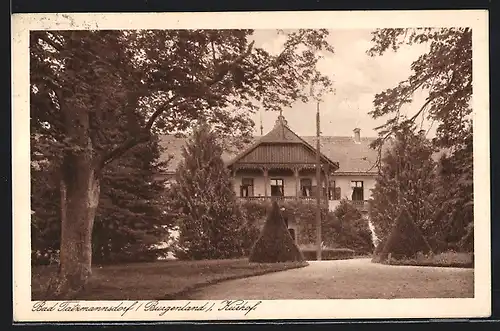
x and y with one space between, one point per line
445 72
131 82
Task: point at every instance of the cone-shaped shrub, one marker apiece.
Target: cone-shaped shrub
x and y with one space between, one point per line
275 244
405 239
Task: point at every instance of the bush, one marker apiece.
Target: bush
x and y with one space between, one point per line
353 231
445 259
301 213
275 243
329 253
405 239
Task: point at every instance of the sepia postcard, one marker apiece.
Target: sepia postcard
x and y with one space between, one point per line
250 166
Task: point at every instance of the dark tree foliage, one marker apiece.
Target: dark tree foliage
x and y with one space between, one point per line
211 225
275 244
131 220
45 215
445 72
406 180
352 230
455 214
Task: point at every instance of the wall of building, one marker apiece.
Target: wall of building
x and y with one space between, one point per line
289 181
344 182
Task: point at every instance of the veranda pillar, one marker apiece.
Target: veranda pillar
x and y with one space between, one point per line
266 181
297 183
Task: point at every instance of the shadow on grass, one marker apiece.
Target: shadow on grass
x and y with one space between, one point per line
184 294
161 280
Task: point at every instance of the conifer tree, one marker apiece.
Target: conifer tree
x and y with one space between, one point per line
406 181
130 219
210 223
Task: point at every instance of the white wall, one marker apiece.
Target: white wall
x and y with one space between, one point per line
259 183
344 182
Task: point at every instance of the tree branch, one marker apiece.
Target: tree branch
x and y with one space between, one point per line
112 154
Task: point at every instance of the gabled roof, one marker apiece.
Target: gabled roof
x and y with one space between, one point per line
351 156
280 133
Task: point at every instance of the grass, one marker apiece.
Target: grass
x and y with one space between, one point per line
446 259
161 280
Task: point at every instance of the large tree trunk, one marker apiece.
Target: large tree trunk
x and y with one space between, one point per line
80 198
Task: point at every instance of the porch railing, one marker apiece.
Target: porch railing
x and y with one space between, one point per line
361 205
261 198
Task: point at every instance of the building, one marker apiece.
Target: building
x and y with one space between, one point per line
282 165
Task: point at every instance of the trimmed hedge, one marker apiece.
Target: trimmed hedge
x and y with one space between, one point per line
405 240
300 213
329 254
275 243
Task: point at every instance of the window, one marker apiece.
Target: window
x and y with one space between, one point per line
357 190
246 188
338 193
305 187
333 191
277 187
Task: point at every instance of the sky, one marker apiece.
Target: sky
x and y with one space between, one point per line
357 78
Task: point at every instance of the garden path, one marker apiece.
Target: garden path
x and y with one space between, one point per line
346 279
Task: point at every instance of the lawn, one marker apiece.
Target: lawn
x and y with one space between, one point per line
161 280
446 259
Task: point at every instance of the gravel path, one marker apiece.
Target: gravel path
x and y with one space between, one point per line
347 279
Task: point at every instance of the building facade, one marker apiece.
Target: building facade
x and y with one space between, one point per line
281 165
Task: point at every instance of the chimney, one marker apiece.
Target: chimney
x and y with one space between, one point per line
357 135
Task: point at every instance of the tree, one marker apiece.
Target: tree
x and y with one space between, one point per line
45 207
455 194
131 218
406 181
275 244
97 94
352 230
445 72
210 223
